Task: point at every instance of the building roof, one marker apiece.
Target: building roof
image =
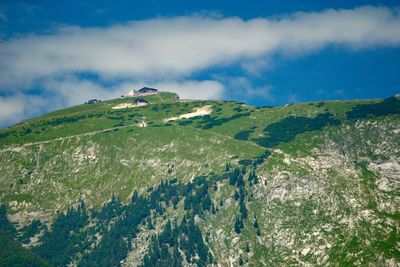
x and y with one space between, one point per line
140 100
91 101
147 89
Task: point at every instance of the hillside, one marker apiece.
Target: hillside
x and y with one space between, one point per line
198 183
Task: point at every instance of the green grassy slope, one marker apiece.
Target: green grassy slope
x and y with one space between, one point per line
83 119
328 173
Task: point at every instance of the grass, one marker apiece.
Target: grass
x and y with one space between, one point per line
83 119
93 167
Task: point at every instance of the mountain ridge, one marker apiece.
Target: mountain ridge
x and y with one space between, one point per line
277 185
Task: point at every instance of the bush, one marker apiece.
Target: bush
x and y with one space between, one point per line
287 129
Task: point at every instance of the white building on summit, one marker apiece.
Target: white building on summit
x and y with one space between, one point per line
131 93
143 91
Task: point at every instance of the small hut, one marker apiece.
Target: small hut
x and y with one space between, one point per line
140 101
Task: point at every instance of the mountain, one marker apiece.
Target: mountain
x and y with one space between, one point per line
170 182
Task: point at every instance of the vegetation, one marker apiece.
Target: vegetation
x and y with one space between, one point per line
208 122
29 231
386 107
117 223
13 254
243 135
311 183
186 237
65 237
286 130
5 226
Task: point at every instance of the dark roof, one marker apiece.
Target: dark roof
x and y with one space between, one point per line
140 100
147 89
91 101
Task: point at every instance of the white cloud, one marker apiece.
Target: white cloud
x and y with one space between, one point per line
74 91
179 46
158 52
193 89
239 87
256 66
17 107
10 108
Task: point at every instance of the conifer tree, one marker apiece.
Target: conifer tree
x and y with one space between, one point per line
258 232
237 225
255 224
247 249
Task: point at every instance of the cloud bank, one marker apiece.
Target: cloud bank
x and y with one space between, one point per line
168 51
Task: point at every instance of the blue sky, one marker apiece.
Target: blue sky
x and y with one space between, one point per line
55 54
